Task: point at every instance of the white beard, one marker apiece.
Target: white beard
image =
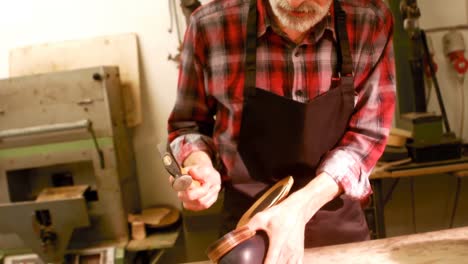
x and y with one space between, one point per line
315 13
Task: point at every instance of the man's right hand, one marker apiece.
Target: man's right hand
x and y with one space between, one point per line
200 197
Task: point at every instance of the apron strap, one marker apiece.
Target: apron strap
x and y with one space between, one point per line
345 61
251 51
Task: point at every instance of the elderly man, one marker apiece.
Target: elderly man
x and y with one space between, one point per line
271 88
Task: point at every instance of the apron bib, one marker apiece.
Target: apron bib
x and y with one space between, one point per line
281 137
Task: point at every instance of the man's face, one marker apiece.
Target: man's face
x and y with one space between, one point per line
299 15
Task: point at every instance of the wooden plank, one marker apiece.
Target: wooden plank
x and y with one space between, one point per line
119 50
398 137
157 217
420 171
461 173
417 165
401 132
404 169
158 240
445 246
62 193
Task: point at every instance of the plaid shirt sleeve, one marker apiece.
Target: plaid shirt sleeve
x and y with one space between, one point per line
353 159
190 125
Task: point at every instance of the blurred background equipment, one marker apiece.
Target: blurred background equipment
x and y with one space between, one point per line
454 49
410 14
67 168
187 7
429 140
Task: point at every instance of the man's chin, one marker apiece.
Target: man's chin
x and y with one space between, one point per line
297 20
300 26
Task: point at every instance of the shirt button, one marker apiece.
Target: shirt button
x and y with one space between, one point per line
299 93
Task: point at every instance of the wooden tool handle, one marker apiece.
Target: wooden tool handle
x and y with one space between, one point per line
184 182
195 183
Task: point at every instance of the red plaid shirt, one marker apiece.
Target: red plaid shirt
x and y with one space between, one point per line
208 109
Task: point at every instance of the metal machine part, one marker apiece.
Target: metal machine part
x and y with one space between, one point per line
421 149
83 124
60 131
105 255
188 6
45 231
410 14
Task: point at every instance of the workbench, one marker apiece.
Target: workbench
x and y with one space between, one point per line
457 167
445 246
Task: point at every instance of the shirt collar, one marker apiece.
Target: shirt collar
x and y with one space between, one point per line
264 22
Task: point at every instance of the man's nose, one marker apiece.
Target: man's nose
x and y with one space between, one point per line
295 3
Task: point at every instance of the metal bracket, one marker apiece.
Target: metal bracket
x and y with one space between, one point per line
96 145
59 127
55 225
35 130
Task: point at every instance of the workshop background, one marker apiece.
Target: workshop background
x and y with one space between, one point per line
32 22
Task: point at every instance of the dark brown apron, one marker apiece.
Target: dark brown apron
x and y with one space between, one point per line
281 137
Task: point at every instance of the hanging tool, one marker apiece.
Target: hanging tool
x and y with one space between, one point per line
454 49
410 14
187 6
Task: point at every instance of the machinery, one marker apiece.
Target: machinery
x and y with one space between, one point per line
430 142
67 169
454 49
187 7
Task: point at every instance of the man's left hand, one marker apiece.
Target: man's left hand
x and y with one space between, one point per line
285 229
285 222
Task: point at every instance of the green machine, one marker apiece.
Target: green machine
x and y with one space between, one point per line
67 168
109 255
429 140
